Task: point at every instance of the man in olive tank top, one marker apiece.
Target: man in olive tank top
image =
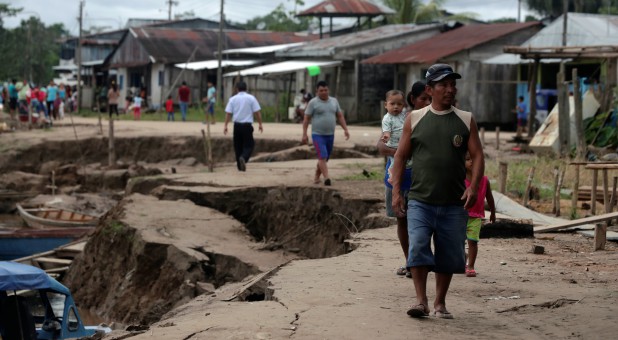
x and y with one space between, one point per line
437 138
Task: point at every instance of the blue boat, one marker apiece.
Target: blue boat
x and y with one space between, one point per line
18 243
53 322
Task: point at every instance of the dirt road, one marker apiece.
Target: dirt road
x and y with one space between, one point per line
570 292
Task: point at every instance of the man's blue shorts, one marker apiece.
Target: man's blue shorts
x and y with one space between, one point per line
447 225
323 145
210 108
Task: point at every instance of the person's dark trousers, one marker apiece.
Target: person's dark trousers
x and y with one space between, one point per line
243 141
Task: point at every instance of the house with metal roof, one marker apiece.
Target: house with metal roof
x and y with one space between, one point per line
97 47
345 9
146 57
590 44
358 87
486 90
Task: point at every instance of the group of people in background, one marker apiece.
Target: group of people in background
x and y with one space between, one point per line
51 101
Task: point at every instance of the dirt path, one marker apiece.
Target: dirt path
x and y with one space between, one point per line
569 292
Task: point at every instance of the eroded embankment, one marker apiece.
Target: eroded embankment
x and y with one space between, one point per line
128 150
150 255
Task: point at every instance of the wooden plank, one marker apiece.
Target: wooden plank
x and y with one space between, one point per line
53 260
574 223
610 166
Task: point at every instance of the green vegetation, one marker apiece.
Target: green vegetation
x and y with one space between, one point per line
367 172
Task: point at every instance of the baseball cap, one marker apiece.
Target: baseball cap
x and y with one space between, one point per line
438 72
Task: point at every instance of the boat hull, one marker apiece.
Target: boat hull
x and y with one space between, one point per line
44 218
18 243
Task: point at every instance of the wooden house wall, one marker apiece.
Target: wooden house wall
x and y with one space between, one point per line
129 53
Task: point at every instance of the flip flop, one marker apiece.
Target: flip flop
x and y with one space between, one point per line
443 314
470 273
401 271
418 311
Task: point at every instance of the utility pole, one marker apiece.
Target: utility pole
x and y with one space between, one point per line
219 95
170 3
518 10
79 57
564 24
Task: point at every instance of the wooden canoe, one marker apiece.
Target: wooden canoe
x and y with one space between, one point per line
44 218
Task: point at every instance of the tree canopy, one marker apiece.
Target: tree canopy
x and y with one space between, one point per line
30 50
556 7
279 20
416 11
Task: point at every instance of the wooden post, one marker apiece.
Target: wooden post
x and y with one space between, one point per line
612 200
208 148
593 193
560 181
528 186
600 236
482 136
606 202
503 175
563 112
575 196
111 148
554 201
532 76
579 125
497 138
277 104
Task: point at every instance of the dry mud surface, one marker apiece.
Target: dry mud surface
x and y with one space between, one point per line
570 292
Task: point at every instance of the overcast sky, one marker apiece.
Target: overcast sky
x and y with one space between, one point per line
114 13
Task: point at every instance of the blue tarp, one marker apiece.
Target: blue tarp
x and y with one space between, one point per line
17 276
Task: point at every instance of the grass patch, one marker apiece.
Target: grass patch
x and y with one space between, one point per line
368 172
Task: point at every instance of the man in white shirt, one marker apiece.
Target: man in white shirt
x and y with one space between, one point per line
241 108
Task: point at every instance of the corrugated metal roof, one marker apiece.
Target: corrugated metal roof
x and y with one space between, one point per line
431 50
261 49
214 63
345 8
582 30
282 67
329 46
173 45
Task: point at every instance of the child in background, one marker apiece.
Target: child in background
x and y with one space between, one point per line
475 214
137 107
169 107
522 116
393 121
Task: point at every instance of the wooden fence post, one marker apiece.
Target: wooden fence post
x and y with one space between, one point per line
503 175
528 186
497 138
111 146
